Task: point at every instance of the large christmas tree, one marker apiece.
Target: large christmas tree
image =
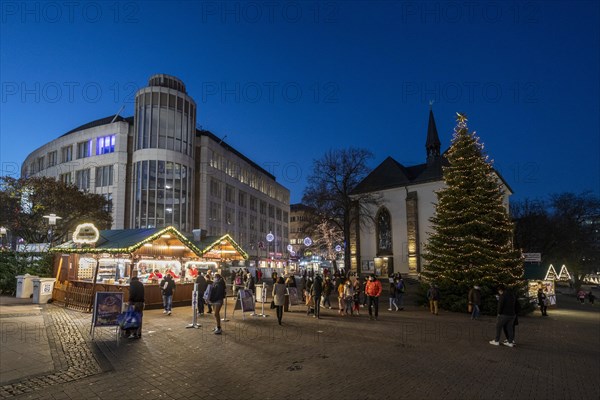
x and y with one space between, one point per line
471 243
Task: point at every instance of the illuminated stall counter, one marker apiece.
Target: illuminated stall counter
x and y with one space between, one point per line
108 263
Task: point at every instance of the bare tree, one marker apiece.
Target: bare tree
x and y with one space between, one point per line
330 191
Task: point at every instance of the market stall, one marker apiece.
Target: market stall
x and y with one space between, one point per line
107 263
546 279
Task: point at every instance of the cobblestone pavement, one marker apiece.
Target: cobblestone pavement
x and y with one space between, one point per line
408 354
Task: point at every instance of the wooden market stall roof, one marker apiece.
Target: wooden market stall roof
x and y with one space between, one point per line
121 241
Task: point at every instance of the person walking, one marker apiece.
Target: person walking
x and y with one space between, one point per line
393 295
136 300
515 323
167 286
327 287
373 291
591 297
357 289
433 295
217 297
279 290
202 285
506 317
348 297
475 301
340 292
316 291
581 296
542 302
400 288
209 281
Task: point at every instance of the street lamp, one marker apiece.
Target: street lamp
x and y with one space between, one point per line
3 232
270 237
52 218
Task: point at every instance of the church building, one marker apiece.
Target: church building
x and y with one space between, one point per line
395 242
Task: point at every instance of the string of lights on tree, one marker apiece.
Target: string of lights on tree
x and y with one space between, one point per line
472 234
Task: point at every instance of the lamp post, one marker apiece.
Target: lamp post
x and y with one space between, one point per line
270 237
3 232
52 218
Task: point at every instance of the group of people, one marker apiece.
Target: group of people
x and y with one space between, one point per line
351 293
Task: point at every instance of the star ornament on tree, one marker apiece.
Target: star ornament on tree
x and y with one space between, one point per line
461 117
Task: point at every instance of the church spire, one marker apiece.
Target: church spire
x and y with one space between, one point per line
432 145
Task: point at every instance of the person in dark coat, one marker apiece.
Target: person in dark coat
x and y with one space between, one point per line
315 291
475 301
167 286
506 316
542 302
136 299
217 298
202 285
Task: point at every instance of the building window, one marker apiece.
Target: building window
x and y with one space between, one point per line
271 211
84 149
82 179
278 214
104 176
65 178
52 158
242 199
105 144
40 163
253 202
263 208
66 154
229 215
229 191
285 216
215 188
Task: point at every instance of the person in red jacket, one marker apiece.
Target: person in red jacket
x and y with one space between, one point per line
373 291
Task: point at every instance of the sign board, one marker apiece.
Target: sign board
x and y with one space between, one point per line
293 296
532 257
246 300
86 233
107 307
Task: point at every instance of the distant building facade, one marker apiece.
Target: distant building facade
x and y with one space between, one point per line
395 242
157 169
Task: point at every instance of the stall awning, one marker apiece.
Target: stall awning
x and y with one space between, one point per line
119 241
222 247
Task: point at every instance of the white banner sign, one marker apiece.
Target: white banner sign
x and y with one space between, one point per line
533 257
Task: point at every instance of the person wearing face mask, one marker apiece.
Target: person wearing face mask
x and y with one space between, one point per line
373 291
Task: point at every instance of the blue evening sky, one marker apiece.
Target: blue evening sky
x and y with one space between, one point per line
286 81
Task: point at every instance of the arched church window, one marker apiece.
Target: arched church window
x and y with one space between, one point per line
384 231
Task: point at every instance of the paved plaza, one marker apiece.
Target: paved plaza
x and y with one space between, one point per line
47 353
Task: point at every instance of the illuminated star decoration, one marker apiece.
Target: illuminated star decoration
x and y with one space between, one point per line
461 117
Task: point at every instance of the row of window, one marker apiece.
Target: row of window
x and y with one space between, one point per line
244 200
103 175
255 181
104 145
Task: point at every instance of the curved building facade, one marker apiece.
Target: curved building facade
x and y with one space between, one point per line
162 161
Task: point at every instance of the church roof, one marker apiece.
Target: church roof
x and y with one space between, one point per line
433 140
390 174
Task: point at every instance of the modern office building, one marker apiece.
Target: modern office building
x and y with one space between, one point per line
157 169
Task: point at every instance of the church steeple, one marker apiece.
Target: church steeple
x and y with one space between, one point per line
432 145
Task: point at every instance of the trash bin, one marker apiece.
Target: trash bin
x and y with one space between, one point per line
25 286
42 290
